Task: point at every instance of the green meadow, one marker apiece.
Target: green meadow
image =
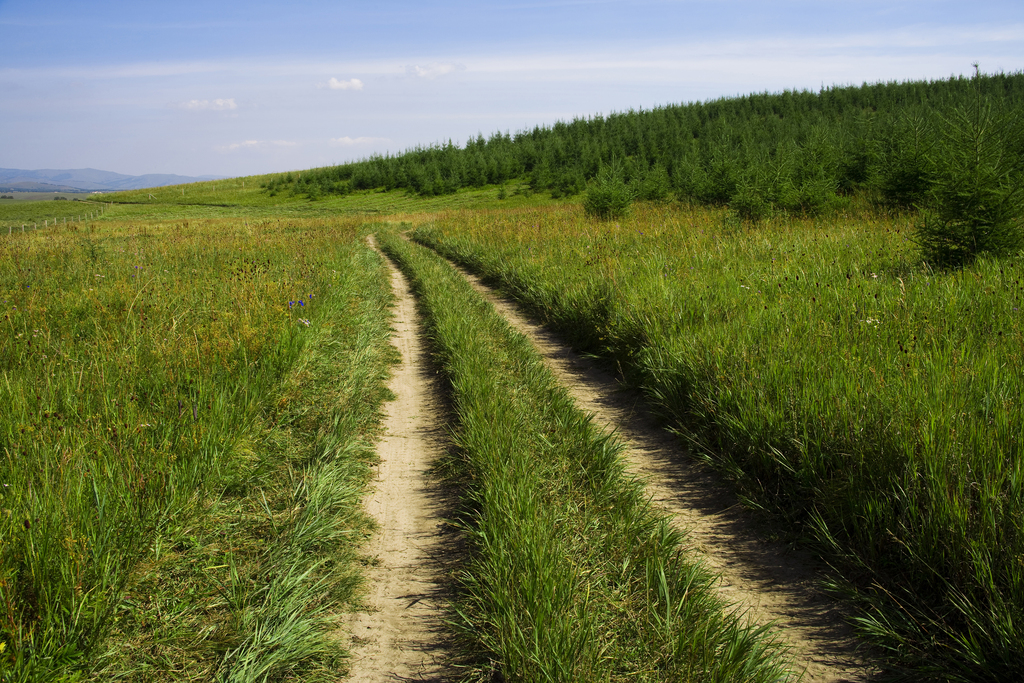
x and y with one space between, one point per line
188 425
848 389
819 293
21 215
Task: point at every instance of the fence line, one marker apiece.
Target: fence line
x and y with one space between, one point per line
81 218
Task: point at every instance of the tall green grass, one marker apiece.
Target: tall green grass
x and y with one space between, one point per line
148 425
845 387
572 577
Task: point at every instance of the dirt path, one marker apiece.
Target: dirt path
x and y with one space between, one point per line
777 584
399 635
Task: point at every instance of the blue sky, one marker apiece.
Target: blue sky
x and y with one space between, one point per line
234 89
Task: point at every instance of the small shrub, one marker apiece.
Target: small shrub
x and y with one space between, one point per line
903 176
751 204
975 203
569 183
719 183
816 195
655 185
608 196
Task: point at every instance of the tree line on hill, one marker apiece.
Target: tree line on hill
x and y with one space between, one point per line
909 145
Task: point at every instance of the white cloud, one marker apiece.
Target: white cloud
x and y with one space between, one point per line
239 145
351 84
352 142
433 70
255 144
210 105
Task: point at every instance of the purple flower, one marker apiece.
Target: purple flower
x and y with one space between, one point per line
301 302
290 304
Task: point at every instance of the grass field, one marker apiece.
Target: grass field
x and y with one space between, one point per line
187 413
14 197
846 387
173 507
42 215
192 407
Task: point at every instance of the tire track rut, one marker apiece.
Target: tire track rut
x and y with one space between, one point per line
399 633
775 583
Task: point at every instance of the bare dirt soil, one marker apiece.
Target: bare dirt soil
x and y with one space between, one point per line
399 634
774 583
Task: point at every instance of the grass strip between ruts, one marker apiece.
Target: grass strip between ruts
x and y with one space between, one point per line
571 575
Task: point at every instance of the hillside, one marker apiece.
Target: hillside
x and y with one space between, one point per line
798 152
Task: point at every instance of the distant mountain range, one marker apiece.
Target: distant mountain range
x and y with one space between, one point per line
86 180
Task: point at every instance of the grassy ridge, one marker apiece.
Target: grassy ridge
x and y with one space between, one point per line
175 465
572 576
843 385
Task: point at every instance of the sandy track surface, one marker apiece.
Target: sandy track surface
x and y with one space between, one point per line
775 583
399 635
